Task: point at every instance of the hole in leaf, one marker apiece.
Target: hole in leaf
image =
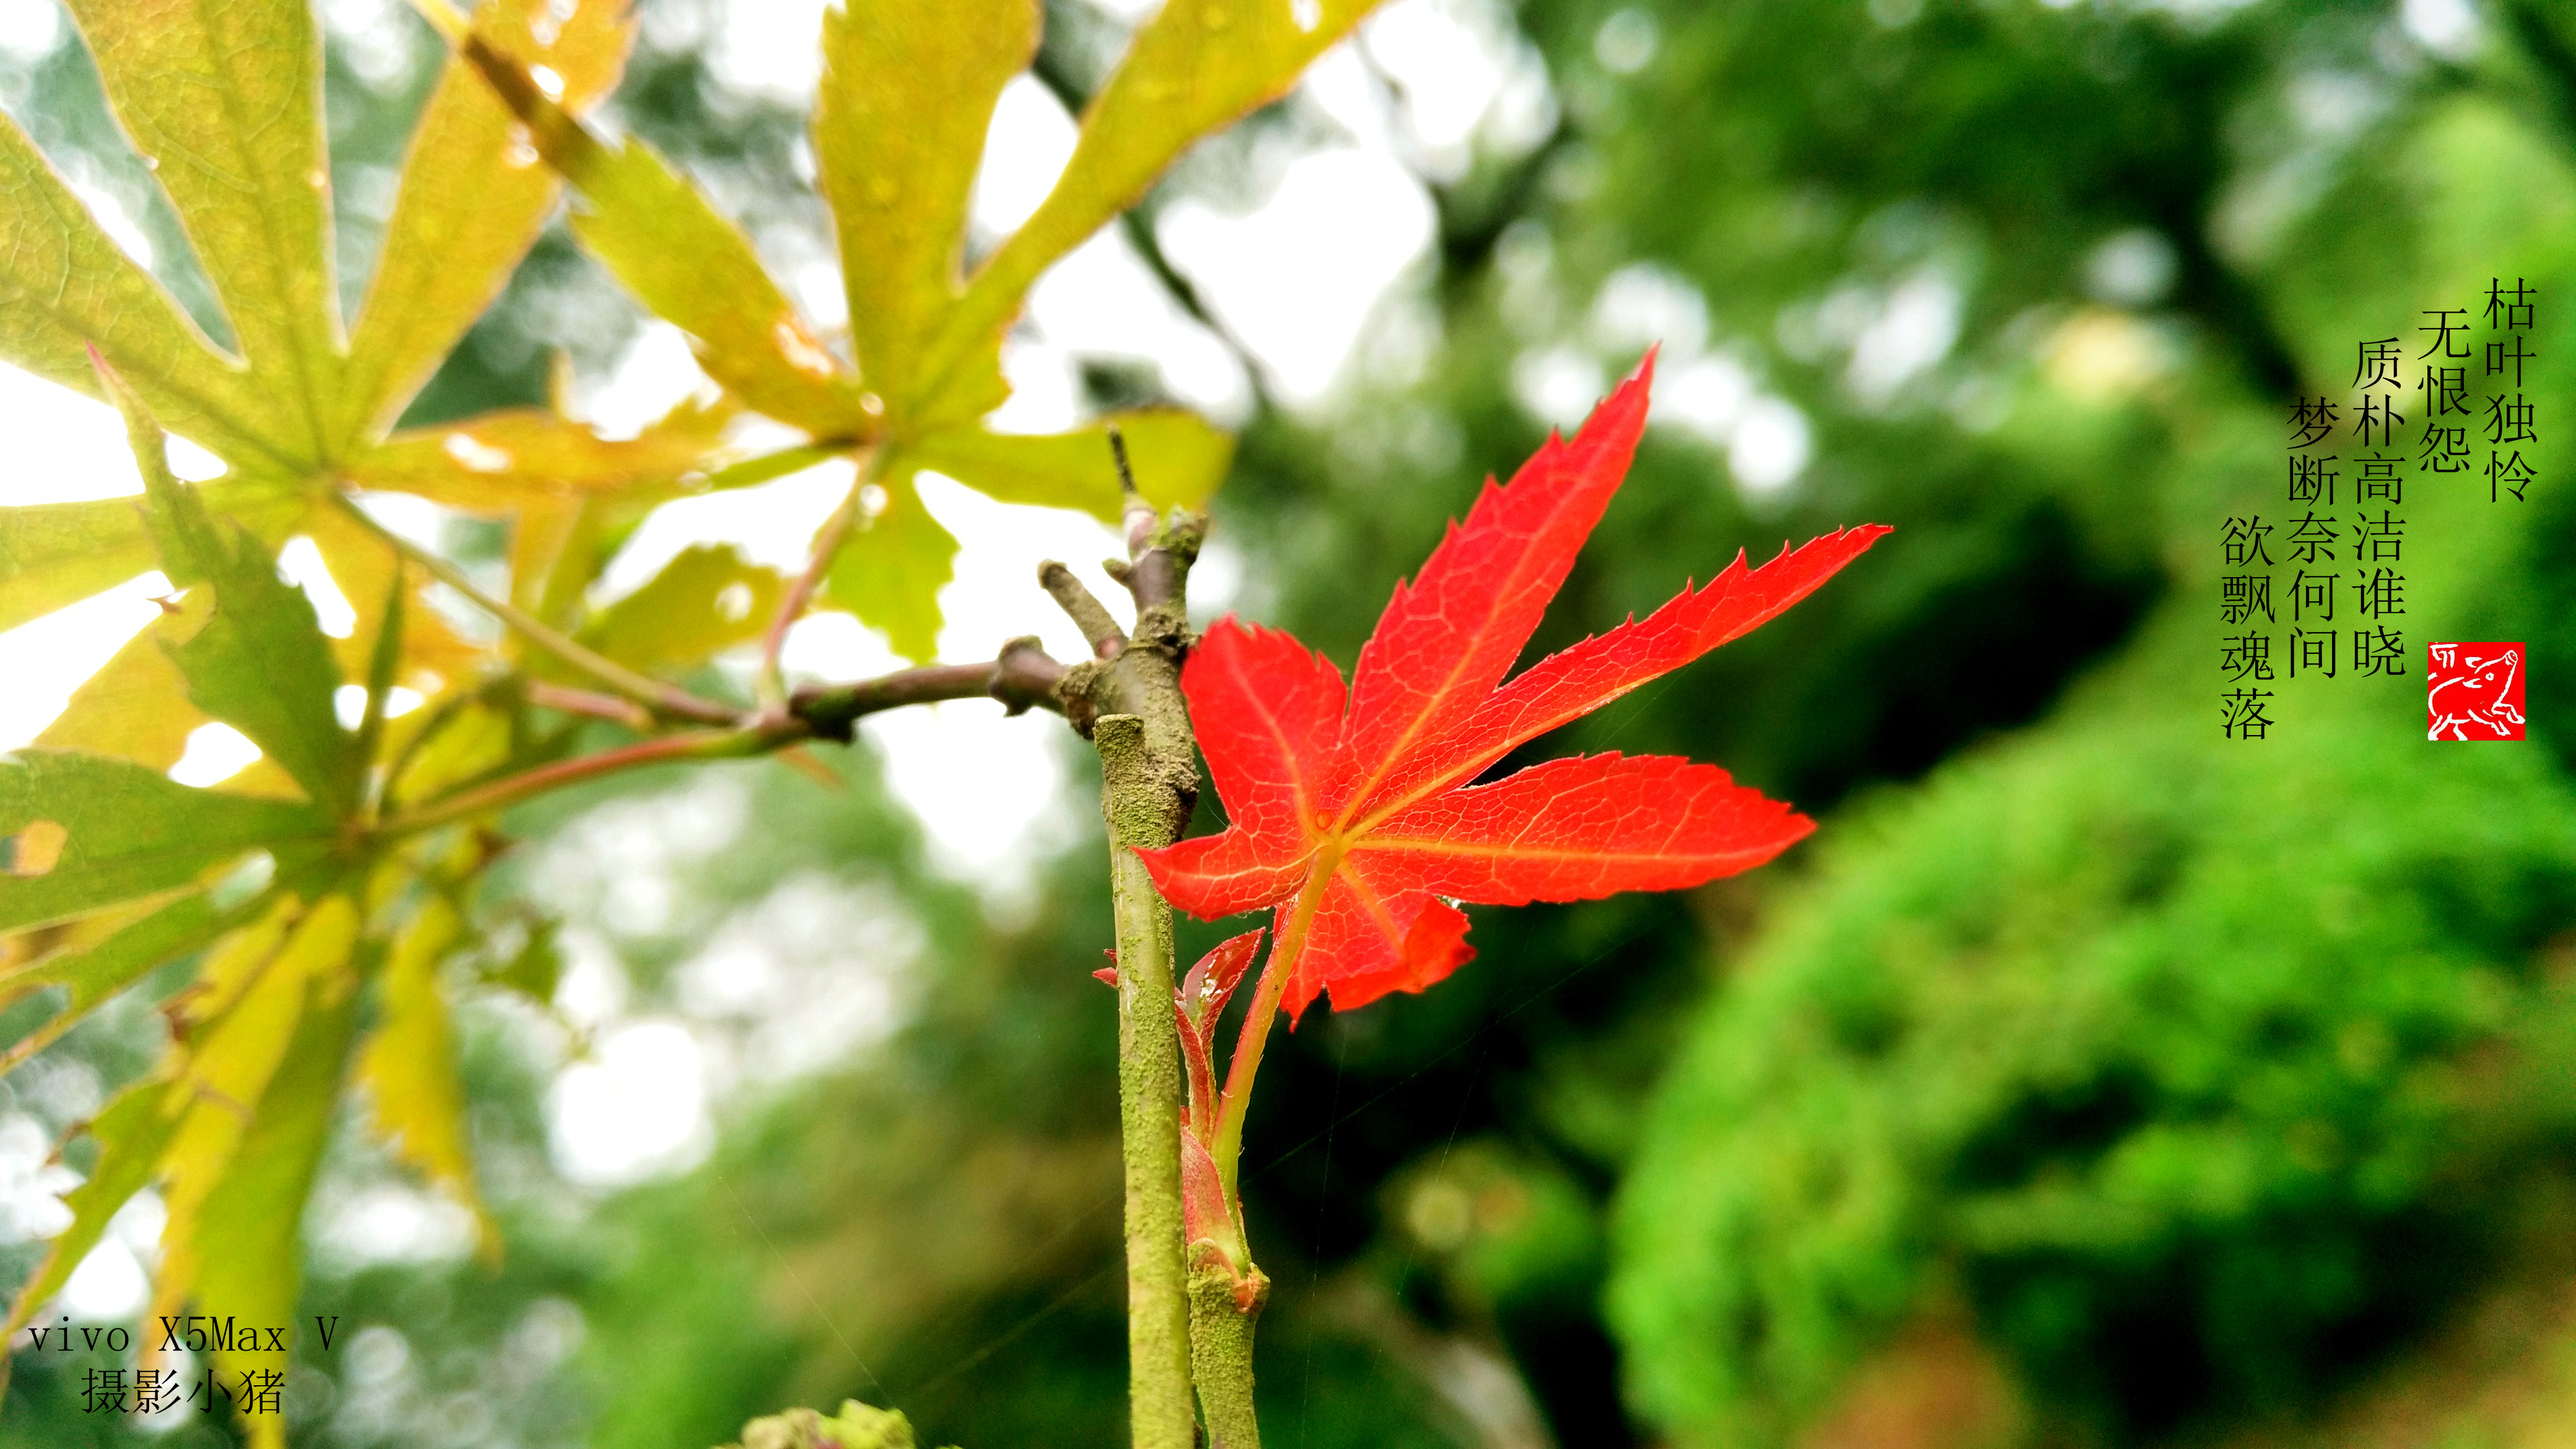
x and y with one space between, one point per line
190 463
349 702
733 601
243 881
476 456
300 563
34 849
215 752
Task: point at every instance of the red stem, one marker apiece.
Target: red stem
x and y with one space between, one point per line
589 702
800 590
1285 948
697 745
1194 1050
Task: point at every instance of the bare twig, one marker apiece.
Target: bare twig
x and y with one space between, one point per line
1159 553
1021 677
1127 701
1088 613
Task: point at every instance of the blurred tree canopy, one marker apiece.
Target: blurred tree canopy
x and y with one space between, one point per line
2192 1083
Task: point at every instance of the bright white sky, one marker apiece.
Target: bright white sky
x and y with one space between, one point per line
1302 282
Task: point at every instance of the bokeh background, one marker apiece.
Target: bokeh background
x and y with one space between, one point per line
2086 1080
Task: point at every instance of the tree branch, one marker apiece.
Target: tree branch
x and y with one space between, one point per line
1089 615
1023 676
1128 702
1159 555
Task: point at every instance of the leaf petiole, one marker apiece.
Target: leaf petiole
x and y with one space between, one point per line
1227 1147
510 790
770 688
653 694
769 467
1020 677
615 708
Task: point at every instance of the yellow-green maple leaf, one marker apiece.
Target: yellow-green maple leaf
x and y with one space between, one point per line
907 97
300 917
223 103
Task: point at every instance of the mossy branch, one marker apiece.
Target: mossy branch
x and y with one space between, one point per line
1127 701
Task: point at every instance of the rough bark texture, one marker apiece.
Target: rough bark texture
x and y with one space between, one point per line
1222 1313
1149 1095
1127 700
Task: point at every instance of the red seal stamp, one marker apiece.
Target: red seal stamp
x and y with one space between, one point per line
2474 691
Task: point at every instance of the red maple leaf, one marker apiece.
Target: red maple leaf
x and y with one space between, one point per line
1355 817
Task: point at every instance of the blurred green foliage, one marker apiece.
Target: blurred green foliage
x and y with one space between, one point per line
2198 1077
2198 1071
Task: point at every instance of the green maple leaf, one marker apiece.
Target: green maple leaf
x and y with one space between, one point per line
224 104
116 870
